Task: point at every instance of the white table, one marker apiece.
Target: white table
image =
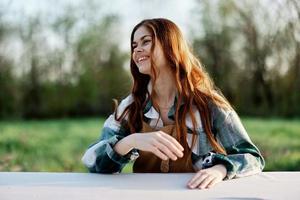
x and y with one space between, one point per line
29 186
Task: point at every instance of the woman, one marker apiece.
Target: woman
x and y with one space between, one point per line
174 120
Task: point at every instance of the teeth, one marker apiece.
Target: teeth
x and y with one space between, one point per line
142 58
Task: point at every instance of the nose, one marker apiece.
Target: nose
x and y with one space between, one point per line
138 49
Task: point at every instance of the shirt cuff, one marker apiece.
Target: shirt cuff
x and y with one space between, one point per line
112 154
224 160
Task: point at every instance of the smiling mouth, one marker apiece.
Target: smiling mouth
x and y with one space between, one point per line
141 59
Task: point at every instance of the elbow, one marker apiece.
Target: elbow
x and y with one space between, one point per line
104 167
96 170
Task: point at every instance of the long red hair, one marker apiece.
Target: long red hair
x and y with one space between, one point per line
193 83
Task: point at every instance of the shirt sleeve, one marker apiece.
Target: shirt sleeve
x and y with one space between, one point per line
243 157
100 157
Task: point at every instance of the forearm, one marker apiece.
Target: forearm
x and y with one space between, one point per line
240 164
101 157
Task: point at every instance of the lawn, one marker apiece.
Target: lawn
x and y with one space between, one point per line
58 145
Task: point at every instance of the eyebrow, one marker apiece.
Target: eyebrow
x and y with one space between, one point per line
142 38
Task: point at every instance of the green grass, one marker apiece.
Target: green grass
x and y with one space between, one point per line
54 145
278 140
58 145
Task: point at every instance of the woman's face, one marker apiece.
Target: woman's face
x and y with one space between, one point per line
142 43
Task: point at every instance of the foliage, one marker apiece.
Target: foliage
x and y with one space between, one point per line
72 64
253 53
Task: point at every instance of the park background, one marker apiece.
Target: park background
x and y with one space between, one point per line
62 63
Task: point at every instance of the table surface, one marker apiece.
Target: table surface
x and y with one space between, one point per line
40 185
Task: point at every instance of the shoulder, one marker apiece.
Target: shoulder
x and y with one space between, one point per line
111 123
219 114
124 103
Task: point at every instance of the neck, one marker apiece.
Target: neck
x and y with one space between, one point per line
165 90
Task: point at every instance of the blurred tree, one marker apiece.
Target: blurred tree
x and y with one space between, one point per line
32 81
256 48
8 82
214 48
81 75
103 76
290 35
62 72
251 57
8 89
72 64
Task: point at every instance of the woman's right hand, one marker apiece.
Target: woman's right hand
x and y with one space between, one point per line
159 143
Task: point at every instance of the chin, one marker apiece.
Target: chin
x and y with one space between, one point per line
144 70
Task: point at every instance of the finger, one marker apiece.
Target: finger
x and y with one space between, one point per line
197 175
198 181
213 183
173 141
165 150
159 154
170 145
206 181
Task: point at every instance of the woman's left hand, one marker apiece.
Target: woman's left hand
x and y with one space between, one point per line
206 178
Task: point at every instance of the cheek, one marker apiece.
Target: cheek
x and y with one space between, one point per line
159 59
156 56
148 48
158 52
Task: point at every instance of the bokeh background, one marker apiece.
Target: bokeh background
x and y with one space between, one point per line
62 63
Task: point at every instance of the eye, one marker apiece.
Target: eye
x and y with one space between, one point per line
146 41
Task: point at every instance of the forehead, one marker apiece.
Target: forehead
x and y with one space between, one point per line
141 32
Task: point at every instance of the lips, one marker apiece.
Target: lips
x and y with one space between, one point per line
142 58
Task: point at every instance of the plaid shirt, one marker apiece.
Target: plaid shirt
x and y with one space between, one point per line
243 157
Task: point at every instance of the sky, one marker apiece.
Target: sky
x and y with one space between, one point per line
130 11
